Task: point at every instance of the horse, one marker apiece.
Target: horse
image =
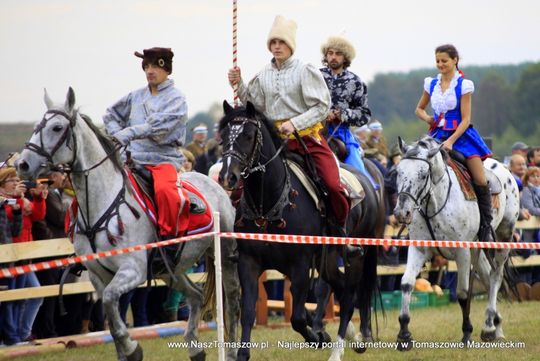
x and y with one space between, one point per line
109 217
433 206
275 201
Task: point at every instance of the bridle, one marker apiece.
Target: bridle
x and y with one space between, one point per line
420 199
254 210
67 137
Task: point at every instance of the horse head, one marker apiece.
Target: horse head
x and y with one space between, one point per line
52 141
422 165
240 131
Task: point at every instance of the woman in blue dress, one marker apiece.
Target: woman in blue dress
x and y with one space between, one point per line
450 95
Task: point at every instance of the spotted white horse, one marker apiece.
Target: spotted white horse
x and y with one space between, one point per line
110 217
430 197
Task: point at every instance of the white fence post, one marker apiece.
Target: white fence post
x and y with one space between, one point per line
219 290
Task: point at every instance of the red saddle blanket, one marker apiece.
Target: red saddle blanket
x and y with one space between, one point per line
192 223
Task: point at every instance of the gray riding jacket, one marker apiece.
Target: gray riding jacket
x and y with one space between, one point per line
155 126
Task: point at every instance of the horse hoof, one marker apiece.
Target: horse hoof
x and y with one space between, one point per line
487 336
360 349
201 356
136 355
404 345
323 337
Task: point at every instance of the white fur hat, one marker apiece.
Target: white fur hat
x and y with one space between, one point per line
340 43
283 29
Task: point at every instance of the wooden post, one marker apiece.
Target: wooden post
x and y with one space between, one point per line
261 309
329 313
287 297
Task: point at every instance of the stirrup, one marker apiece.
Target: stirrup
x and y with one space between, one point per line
196 205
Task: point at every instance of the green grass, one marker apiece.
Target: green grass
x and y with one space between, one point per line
521 323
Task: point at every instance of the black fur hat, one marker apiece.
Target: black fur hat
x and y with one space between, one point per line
161 57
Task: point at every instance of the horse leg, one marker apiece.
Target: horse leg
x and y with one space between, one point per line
99 285
415 262
299 289
126 278
366 290
194 298
249 272
492 329
463 262
345 290
322 294
231 287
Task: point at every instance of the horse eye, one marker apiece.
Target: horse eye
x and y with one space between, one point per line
57 128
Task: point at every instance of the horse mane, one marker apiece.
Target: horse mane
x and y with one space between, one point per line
106 142
242 112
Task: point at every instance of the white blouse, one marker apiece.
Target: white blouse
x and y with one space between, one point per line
443 102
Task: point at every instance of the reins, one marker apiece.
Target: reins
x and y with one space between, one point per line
85 228
427 197
253 210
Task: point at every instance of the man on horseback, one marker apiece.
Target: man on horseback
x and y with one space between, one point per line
295 97
450 95
152 122
349 99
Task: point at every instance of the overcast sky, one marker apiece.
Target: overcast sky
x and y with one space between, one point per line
89 44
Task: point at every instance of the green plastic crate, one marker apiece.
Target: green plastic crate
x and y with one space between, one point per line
419 300
442 300
387 301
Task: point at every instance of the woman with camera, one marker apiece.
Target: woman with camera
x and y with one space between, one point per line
32 206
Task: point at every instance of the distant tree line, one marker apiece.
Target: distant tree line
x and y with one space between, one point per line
505 107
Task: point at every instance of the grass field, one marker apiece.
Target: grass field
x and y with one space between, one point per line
521 323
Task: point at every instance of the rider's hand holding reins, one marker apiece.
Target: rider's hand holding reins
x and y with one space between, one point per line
287 128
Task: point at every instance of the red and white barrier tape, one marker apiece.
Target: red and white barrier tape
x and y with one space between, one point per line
19 270
280 238
296 239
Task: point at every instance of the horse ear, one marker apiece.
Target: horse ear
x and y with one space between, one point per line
47 99
227 107
70 100
250 109
404 147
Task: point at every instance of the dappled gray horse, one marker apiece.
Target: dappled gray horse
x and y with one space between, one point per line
109 217
433 206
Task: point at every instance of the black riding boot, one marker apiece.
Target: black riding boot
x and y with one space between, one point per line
485 233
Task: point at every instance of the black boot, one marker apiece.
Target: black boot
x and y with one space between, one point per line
485 233
340 231
196 205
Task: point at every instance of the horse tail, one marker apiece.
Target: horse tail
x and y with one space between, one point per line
368 282
209 290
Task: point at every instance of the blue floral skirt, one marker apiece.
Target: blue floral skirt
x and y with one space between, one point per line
470 144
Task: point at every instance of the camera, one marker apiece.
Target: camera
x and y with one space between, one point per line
9 201
30 184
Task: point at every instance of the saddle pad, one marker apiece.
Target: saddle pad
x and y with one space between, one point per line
306 182
349 180
197 223
464 179
353 185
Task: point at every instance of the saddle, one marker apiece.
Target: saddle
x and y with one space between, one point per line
144 179
457 162
352 185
